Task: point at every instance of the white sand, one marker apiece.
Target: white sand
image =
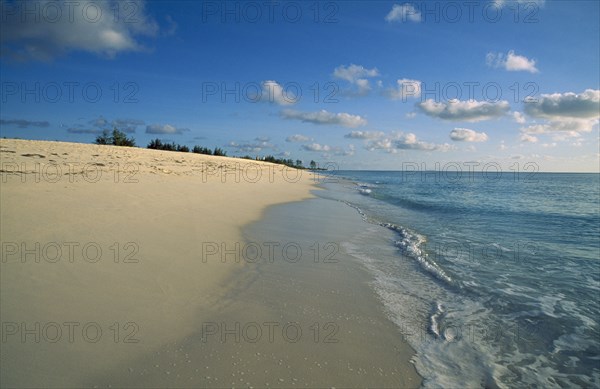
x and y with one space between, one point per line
158 206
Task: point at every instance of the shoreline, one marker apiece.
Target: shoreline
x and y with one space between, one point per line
180 296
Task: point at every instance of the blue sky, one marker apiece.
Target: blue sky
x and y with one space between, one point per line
365 85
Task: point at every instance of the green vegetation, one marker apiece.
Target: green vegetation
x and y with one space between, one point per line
157 144
201 150
116 138
119 138
219 151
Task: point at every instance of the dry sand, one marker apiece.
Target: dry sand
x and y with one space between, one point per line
102 250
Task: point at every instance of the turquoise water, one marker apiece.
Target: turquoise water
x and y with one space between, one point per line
494 280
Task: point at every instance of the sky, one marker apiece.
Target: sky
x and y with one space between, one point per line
376 85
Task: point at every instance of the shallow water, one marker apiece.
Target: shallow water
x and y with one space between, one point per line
495 281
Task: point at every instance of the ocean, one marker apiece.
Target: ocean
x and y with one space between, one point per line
494 279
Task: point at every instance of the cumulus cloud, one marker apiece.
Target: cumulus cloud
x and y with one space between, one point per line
410 142
469 111
354 72
386 144
528 138
573 126
467 135
364 135
518 117
273 92
316 147
325 118
89 26
298 138
569 114
402 13
511 62
401 141
405 88
255 146
328 151
23 123
357 75
164 129
585 105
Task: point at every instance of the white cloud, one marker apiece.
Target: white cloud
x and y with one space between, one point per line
410 142
364 135
386 144
568 114
352 73
325 117
469 111
518 117
80 26
405 88
356 75
571 126
511 62
297 138
273 92
328 151
528 138
402 13
256 146
467 135
402 141
164 129
316 147
554 106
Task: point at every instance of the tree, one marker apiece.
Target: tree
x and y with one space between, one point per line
117 138
219 151
104 138
155 144
201 150
298 163
313 165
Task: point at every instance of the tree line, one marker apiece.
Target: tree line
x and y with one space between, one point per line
119 138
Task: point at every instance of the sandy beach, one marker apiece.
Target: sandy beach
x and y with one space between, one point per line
111 255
